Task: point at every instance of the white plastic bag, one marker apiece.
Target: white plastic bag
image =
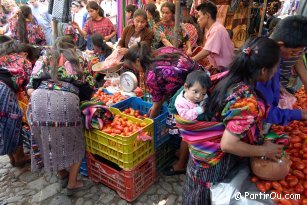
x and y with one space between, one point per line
237 189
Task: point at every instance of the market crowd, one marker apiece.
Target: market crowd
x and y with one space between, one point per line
200 76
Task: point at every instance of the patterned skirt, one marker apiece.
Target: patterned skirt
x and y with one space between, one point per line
10 121
57 131
196 190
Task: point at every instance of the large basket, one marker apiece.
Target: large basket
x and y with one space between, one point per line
160 128
125 151
128 184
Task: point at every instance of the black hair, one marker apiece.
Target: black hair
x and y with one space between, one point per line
98 40
230 33
170 6
93 5
246 67
192 20
208 7
152 9
198 76
143 52
131 8
273 24
66 46
9 46
292 31
140 12
4 38
25 11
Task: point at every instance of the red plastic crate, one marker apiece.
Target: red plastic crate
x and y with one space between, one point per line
128 184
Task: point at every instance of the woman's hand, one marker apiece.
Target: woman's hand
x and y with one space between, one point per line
189 52
272 151
75 25
122 51
155 109
30 91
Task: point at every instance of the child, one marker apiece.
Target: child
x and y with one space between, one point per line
191 101
101 49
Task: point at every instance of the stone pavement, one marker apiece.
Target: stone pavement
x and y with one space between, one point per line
21 187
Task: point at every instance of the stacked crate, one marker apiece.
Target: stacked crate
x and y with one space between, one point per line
123 163
164 151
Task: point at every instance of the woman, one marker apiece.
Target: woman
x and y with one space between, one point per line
193 30
15 71
26 29
135 33
153 15
235 102
97 23
130 9
165 71
56 83
164 30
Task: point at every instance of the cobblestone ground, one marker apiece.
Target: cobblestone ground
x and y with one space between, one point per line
21 187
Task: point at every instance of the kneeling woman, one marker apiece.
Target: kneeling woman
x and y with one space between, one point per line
235 102
55 86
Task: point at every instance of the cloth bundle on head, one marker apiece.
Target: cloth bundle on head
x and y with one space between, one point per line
71 31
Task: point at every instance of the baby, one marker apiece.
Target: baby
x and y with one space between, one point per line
191 101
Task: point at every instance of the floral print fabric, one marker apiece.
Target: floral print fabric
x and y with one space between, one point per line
167 76
19 68
35 33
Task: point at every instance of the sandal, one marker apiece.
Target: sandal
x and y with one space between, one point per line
86 185
169 171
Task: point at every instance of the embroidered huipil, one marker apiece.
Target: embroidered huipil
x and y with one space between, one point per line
15 71
66 73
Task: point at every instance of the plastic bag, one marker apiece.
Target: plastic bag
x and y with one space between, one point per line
287 100
237 189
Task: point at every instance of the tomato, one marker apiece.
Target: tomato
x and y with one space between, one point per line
119 127
299 188
305 193
300 166
295 139
277 186
116 131
297 145
283 183
267 186
285 202
305 185
261 186
299 174
292 181
143 124
305 156
254 179
304 149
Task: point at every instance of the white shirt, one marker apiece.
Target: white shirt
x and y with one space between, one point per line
110 10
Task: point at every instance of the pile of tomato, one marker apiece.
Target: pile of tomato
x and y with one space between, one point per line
108 99
134 113
122 126
296 181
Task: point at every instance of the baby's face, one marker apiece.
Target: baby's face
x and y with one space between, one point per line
195 93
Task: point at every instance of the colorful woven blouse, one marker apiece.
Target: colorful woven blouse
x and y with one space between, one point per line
242 116
35 33
42 72
168 30
17 69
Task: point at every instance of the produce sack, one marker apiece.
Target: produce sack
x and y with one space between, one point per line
238 180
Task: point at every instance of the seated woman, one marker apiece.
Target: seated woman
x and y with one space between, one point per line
138 32
164 71
235 102
15 71
98 23
56 87
26 29
164 30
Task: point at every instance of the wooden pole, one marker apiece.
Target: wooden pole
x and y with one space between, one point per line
262 17
177 23
249 12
